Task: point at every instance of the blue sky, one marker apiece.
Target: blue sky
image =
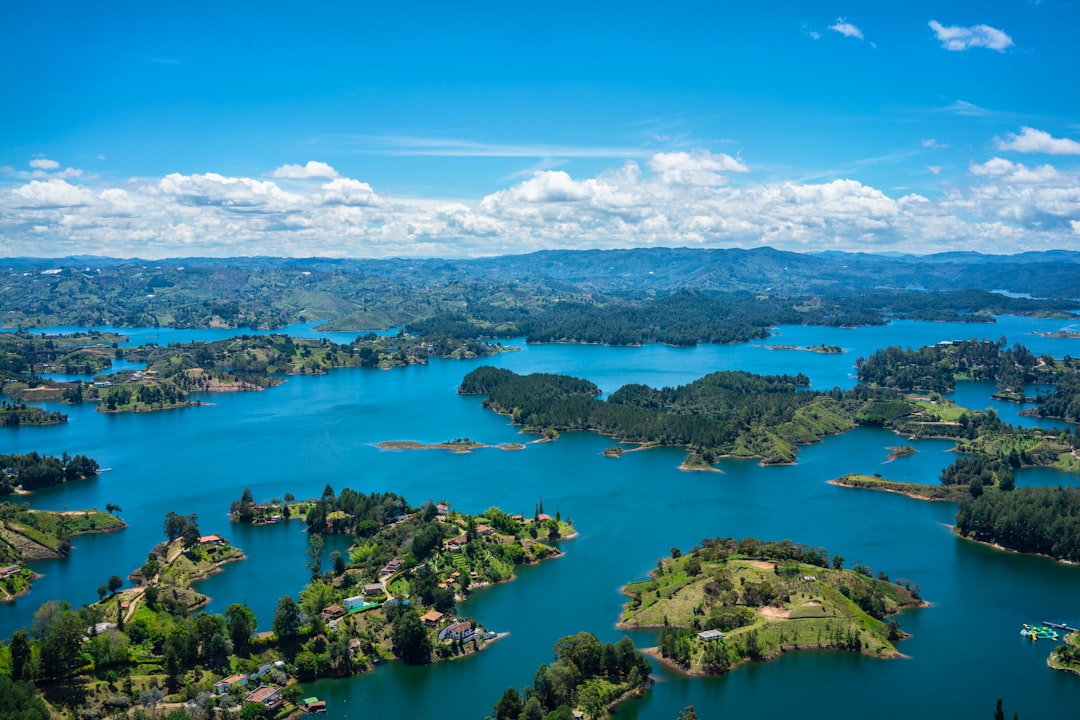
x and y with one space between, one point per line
368 130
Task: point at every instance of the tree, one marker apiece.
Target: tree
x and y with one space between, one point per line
314 553
338 562
287 618
190 535
410 638
20 655
838 562
115 583
60 635
18 699
509 706
241 624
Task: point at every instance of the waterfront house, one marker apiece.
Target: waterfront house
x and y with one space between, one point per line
461 630
455 544
270 697
8 571
211 540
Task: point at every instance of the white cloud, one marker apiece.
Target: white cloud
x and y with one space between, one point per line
312 169
698 168
961 38
346 191
932 144
672 199
44 164
935 169
52 194
847 29
1031 140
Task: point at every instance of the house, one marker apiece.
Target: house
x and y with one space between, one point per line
708 635
394 566
354 646
543 517
352 603
442 508
211 540
265 668
461 630
431 618
809 578
455 544
222 686
267 696
8 571
265 635
484 530
313 705
332 612
373 590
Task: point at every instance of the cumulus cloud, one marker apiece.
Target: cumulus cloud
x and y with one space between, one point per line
44 164
846 29
52 194
346 191
669 199
698 168
958 38
312 169
1031 140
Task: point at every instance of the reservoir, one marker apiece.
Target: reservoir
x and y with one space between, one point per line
965 650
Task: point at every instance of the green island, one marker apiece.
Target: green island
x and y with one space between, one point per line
393 595
740 414
821 349
730 601
27 534
585 677
457 445
1066 657
901 451
919 491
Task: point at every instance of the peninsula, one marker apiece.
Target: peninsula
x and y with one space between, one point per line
730 601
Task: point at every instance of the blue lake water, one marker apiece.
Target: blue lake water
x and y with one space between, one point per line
965 650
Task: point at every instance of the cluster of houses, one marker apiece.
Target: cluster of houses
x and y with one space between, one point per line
457 629
266 695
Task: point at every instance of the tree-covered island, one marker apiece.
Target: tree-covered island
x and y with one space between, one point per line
457 445
731 601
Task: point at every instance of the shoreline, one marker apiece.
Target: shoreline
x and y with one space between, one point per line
1002 548
458 448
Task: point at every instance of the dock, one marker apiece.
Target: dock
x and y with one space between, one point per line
1061 626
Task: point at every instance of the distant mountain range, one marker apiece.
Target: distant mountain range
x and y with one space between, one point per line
647 271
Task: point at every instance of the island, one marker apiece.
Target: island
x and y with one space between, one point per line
820 349
918 491
29 472
901 451
728 602
457 445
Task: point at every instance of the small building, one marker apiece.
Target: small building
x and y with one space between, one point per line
211 540
265 635
708 635
442 508
543 517
270 697
222 686
432 618
394 566
332 612
809 578
8 571
484 530
373 590
455 544
354 646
